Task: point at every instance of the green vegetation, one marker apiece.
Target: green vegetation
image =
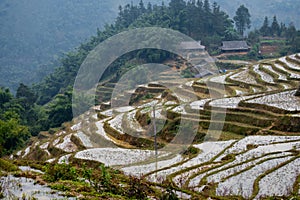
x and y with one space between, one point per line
191 152
7 166
12 133
96 181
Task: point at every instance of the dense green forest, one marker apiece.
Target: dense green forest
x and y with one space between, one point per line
48 103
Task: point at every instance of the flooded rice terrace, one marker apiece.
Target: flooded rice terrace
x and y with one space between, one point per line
26 188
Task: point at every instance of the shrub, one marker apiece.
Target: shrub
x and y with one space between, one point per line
137 189
7 166
55 172
191 152
228 157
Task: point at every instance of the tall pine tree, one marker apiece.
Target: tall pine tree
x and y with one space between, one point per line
242 19
275 28
265 29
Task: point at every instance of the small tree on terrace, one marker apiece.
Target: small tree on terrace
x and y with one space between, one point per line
242 19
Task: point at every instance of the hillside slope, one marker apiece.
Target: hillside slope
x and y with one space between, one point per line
258 145
34 34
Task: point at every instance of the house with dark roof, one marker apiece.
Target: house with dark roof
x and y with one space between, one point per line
204 73
192 46
234 46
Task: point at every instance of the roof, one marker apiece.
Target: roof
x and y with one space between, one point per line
234 45
203 72
191 45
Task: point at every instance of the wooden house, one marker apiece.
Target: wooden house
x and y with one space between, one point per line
234 47
192 46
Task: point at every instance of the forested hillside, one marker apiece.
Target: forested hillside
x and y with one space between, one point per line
34 34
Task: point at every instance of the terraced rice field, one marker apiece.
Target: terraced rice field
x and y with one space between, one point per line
247 137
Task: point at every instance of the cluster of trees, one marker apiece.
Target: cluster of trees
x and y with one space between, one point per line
21 117
194 18
199 19
12 133
288 34
274 29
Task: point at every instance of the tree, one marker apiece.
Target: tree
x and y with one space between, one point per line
177 10
291 33
220 21
207 18
142 7
253 37
5 97
149 7
60 109
26 95
199 4
265 29
12 135
242 19
295 45
275 29
231 34
206 6
282 29
298 92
